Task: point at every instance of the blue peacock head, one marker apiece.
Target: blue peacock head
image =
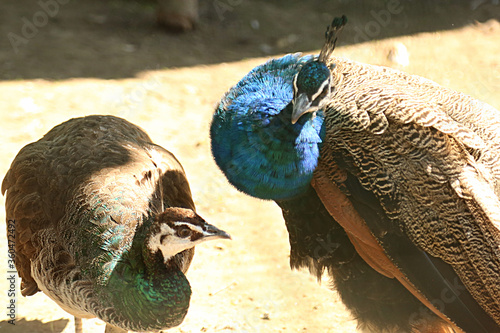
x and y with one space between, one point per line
258 141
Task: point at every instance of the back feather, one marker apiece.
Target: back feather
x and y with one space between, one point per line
430 156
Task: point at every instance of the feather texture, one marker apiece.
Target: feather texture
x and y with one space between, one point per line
88 199
435 177
406 181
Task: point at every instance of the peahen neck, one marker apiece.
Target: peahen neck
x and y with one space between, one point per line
253 139
139 290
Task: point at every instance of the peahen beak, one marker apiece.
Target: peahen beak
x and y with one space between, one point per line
301 105
212 232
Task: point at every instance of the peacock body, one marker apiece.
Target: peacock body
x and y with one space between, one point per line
105 224
387 181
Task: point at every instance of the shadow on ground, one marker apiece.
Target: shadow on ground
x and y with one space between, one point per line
119 38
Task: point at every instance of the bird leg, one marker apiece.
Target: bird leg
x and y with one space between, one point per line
78 325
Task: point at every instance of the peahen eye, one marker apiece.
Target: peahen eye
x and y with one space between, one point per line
183 232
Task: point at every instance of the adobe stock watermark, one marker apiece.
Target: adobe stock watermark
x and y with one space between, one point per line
222 6
448 295
11 306
382 19
326 247
130 102
30 26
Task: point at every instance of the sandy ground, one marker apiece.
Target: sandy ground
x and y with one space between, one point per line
108 58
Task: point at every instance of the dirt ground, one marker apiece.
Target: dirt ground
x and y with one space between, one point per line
109 57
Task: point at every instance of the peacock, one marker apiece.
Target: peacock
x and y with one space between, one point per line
387 181
105 224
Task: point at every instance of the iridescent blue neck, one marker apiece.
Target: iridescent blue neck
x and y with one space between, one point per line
254 141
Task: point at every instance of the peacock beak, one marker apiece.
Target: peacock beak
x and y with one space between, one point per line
301 105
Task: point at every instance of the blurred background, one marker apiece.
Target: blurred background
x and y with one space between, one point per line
61 59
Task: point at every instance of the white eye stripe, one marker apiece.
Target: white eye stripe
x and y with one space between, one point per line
180 223
320 90
295 89
189 225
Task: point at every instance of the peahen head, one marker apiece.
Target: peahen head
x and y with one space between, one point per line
310 87
261 149
179 229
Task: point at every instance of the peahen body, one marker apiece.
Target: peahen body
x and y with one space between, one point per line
387 181
105 224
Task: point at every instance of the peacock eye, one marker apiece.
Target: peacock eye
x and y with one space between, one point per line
183 232
320 97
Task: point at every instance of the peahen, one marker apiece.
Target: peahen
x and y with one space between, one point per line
387 181
105 224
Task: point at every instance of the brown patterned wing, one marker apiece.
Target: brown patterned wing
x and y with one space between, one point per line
91 158
425 159
23 206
